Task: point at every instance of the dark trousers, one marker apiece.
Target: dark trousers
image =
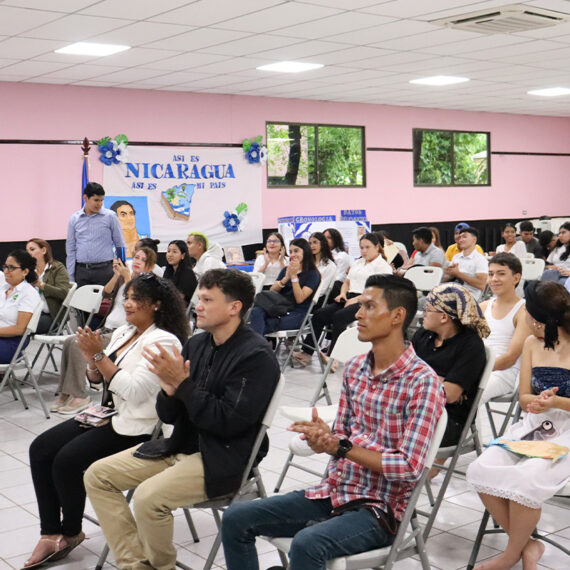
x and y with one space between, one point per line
8 346
93 275
58 458
335 314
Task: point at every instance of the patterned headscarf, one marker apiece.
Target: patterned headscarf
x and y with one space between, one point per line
457 302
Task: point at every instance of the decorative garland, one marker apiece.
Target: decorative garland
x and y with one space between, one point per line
255 151
113 151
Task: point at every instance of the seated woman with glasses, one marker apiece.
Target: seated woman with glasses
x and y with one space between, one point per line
52 284
18 300
59 456
273 260
72 389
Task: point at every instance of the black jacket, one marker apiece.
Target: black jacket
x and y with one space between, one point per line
218 409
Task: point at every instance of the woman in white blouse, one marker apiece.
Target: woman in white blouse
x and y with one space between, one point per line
323 259
18 300
59 456
341 313
511 245
273 259
342 260
558 262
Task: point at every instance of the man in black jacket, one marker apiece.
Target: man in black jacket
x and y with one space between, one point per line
215 394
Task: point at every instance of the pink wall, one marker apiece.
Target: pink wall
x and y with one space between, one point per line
39 185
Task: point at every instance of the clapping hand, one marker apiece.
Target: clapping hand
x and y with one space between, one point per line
317 434
89 342
171 369
544 401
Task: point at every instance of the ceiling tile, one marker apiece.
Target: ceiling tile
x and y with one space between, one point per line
132 9
197 39
385 32
300 51
250 45
126 75
14 21
32 68
420 41
23 48
76 28
338 24
188 60
286 14
137 56
66 6
203 13
140 33
79 72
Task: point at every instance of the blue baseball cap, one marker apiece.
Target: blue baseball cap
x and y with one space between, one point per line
461 226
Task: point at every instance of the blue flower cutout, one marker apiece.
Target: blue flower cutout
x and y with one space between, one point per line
109 152
253 154
231 222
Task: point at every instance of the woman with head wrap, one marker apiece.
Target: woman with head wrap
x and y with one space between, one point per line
450 341
513 487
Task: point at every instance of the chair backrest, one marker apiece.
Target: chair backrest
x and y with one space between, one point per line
70 294
348 346
436 439
425 278
486 374
258 279
274 403
532 268
87 298
33 322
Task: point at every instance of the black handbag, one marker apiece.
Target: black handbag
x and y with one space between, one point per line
273 303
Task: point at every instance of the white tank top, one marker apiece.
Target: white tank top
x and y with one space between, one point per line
502 330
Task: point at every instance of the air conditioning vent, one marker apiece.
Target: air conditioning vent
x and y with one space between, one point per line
506 20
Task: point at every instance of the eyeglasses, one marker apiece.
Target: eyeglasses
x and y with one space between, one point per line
273 241
10 268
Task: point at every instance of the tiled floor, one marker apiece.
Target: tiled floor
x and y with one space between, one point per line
449 546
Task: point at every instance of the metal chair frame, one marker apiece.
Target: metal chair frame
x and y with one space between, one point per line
21 360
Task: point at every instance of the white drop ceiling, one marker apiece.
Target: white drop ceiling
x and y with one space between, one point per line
371 50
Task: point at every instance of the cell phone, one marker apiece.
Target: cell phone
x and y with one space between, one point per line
121 253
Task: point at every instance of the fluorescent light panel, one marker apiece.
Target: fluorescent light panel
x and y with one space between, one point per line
95 50
439 80
290 66
550 92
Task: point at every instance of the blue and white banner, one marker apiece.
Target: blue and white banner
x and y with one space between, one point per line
174 191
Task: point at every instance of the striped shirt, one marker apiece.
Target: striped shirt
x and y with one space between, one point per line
394 413
90 239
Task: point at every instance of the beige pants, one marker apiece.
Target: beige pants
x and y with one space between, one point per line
162 485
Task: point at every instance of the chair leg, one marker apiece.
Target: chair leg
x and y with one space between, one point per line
191 526
283 472
102 557
37 389
478 540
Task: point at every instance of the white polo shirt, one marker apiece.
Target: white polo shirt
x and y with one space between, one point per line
471 265
24 299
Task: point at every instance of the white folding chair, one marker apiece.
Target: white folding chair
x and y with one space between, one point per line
258 279
512 412
468 441
409 539
21 360
306 328
87 299
532 268
251 486
425 278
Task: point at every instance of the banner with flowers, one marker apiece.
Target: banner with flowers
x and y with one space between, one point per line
174 191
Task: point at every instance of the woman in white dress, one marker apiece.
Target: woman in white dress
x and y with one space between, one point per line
513 487
323 259
342 260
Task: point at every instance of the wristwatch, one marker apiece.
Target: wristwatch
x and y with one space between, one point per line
344 446
98 356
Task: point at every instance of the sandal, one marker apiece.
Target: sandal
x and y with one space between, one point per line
61 550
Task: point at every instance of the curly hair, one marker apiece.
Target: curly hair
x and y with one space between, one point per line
26 261
170 314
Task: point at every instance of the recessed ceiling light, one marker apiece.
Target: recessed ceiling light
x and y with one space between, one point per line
550 92
439 80
290 66
88 48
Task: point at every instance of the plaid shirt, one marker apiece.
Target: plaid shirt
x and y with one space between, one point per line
394 413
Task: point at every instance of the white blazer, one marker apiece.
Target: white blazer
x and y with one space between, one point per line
134 386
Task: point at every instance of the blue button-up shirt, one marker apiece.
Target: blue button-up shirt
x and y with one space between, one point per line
90 239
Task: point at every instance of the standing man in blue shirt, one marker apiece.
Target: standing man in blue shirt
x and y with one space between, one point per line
91 235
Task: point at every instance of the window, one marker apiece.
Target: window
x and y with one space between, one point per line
314 155
451 158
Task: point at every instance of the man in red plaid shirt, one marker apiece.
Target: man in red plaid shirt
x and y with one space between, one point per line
389 407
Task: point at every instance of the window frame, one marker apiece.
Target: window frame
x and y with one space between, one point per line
316 126
452 184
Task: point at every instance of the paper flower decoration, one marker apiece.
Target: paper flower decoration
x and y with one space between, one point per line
235 220
113 151
254 150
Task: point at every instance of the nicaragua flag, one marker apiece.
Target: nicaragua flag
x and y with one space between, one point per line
84 176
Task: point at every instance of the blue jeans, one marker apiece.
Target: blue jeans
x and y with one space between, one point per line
317 536
261 323
553 275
